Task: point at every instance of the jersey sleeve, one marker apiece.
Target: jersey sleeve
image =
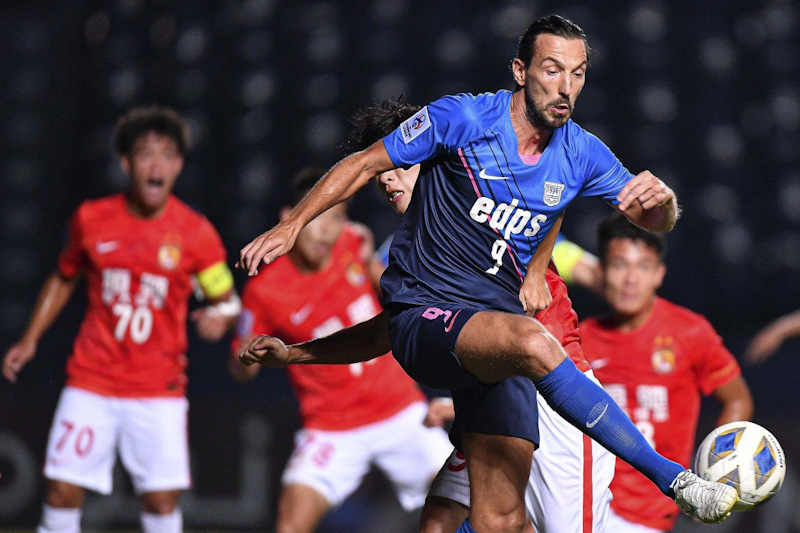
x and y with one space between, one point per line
567 254
73 257
444 125
714 365
212 271
605 176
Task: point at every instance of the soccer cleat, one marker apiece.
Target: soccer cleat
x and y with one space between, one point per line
707 501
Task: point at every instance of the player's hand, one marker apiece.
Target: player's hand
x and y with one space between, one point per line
763 345
17 357
266 351
648 189
267 247
211 326
440 412
534 294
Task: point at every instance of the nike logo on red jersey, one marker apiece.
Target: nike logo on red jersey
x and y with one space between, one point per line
298 317
104 247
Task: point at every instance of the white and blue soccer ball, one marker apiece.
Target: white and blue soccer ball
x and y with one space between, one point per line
745 456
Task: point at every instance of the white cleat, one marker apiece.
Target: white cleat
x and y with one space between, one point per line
708 501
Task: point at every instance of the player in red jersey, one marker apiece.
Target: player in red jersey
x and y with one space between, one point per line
353 416
125 390
655 359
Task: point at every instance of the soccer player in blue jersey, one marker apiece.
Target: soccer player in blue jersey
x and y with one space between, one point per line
464 267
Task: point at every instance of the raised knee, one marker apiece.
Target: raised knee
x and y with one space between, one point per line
541 350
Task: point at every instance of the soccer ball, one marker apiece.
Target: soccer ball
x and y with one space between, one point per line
745 456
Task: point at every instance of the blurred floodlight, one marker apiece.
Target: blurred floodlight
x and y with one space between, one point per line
97 27
734 243
191 44
322 90
786 108
781 19
388 11
256 46
324 132
124 86
718 56
390 85
658 103
324 45
454 47
720 202
511 21
647 21
725 143
258 88
198 125
255 178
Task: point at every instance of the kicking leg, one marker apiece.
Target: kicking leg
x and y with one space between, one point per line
521 346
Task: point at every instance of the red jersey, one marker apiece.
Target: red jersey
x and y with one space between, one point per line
656 374
561 320
139 278
296 307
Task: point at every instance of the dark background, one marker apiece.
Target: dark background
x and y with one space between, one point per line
704 93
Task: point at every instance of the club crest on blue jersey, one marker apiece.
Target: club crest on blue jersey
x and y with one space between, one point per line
552 193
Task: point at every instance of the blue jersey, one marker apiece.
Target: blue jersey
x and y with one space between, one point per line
478 212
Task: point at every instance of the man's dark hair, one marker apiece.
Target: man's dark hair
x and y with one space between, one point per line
553 25
375 122
142 120
617 226
302 182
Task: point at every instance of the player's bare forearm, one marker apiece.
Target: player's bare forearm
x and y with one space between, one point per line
339 184
736 401
356 344
534 293
53 296
649 203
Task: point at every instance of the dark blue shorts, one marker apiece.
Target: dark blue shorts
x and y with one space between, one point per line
423 342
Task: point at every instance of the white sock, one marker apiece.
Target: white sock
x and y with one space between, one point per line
163 523
59 520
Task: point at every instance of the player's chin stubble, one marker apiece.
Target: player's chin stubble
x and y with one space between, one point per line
538 116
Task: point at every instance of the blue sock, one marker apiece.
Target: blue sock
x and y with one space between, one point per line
466 527
589 408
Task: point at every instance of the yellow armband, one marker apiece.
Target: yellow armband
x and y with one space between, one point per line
215 280
566 255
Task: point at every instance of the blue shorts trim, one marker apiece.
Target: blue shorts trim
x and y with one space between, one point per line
423 342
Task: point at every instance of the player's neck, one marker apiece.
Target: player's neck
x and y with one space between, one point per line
627 323
303 265
139 210
531 139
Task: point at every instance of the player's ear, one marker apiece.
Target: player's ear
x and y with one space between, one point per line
518 70
125 163
661 271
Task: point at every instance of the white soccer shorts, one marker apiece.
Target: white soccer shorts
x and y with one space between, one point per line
617 524
567 490
148 433
334 462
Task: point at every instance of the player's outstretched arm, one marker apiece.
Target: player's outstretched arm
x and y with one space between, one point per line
649 203
53 296
534 293
736 401
768 340
339 184
355 344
